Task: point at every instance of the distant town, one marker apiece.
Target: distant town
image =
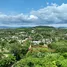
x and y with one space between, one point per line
44 45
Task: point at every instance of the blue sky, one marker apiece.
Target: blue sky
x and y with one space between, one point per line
25 6
16 13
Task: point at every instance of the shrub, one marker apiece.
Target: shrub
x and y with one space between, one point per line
59 46
62 63
37 62
65 55
8 61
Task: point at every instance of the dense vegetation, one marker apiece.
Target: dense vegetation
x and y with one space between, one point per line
40 46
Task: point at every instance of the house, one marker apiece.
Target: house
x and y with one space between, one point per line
36 42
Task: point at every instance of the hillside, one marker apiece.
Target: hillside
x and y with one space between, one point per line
40 46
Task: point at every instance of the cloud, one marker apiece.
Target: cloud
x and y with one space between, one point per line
47 3
16 20
50 15
53 14
32 17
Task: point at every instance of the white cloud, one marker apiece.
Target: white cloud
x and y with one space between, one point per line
47 3
32 17
50 15
19 19
54 4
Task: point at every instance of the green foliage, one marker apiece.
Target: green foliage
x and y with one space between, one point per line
41 43
34 62
60 46
27 43
17 41
65 55
48 60
8 61
18 50
62 63
37 52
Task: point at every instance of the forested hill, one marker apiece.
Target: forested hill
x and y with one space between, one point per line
40 46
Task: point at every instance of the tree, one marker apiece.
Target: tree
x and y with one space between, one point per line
8 61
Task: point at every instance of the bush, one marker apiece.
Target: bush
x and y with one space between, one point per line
65 55
48 60
59 46
8 61
62 63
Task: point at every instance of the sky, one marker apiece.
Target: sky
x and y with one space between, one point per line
17 13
